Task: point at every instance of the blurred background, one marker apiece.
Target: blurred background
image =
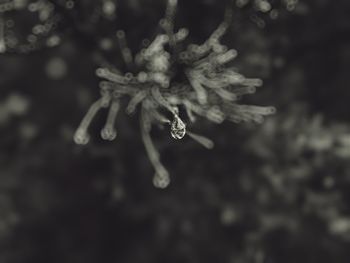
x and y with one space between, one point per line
273 192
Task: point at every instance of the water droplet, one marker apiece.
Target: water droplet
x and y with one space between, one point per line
178 128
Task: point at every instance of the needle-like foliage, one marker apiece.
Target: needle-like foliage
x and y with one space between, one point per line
170 79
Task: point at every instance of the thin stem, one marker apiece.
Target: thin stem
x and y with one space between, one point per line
161 178
2 35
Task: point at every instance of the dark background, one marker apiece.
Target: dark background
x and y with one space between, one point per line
275 192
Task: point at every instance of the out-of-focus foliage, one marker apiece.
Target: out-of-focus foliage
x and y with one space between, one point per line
277 192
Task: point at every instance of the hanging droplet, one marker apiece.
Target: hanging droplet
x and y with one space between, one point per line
178 128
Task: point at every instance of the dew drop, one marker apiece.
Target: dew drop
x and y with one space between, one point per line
178 128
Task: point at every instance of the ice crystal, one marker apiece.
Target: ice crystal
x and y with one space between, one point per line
196 80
